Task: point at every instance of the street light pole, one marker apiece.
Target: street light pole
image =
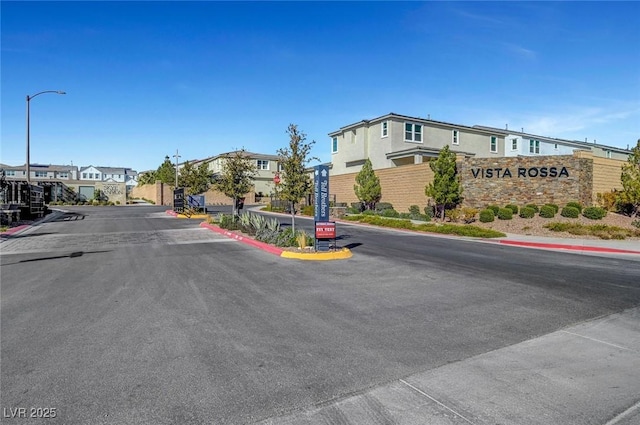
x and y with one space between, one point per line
28 128
176 156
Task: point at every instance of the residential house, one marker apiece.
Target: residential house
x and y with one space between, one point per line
394 140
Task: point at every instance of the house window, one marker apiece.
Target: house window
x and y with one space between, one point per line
41 174
91 176
385 129
97 176
84 175
494 144
334 145
63 175
280 167
534 146
455 137
514 144
555 146
263 164
608 154
412 132
10 173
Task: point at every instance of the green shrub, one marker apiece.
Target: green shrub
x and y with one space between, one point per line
369 212
428 212
594 213
389 212
487 216
555 207
576 205
513 208
414 210
308 210
547 211
381 206
493 208
534 206
570 212
505 214
527 212
453 214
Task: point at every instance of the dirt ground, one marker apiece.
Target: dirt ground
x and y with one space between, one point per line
535 226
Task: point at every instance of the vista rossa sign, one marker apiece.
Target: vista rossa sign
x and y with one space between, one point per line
520 172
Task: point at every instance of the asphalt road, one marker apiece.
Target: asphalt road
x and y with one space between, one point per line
124 315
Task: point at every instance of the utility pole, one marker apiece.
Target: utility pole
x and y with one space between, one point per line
176 156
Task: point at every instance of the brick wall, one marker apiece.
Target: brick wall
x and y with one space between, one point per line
606 175
401 186
539 180
160 193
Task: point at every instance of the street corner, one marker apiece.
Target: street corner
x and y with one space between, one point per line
341 254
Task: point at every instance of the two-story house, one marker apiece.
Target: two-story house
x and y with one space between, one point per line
267 166
393 140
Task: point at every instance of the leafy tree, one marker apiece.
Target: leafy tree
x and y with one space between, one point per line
195 180
148 177
445 189
631 180
367 187
166 172
295 182
236 178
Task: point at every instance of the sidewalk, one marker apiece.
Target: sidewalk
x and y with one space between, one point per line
625 247
584 374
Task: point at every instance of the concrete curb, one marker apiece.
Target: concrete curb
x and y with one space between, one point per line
585 248
344 253
263 246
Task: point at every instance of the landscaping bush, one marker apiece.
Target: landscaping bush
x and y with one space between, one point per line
576 205
389 212
534 206
513 208
369 212
487 216
505 214
428 212
570 212
555 208
381 206
608 200
493 208
356 208
527 212
414 210
547 211
308 210
469 215
594 213
453 214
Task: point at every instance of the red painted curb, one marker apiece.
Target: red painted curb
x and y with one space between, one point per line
171 212
569 247
263 246
13 230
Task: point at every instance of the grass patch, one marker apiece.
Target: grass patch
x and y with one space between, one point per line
446 229
602 231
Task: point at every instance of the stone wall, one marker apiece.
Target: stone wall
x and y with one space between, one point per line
524 180
114 192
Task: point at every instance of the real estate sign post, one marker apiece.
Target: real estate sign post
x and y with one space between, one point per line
325 230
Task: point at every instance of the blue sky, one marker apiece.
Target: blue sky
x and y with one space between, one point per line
146 78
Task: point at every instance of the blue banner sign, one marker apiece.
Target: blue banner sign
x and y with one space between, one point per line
321 192
196 201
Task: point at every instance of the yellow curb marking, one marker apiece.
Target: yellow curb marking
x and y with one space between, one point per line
318 256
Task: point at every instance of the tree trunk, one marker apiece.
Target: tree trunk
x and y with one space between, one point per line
293 217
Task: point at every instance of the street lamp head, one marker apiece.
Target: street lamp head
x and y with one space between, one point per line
61 92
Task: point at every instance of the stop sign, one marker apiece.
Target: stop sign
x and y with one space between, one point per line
276 179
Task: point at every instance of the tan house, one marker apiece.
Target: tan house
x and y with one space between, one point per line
495 165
